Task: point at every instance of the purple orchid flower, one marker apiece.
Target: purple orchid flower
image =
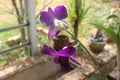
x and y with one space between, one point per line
62 57
54 19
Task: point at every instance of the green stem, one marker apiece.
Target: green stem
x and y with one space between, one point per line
75 27
76 22
87 51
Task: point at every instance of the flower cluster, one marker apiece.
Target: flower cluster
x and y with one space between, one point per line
54 20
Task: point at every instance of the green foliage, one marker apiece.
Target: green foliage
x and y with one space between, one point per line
71 11
110 29
112 16
77 12
2 61
82 10
77 9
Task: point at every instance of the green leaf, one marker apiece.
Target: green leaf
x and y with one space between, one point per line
108 30
71 11
118 32
82 10
94 78
112 16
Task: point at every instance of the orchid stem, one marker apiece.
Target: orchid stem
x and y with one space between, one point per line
86 50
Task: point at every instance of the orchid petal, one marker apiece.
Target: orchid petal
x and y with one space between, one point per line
48 50
51 14
68 51
46 18
64 62
53 32
56 59
63 59
60 12
74 61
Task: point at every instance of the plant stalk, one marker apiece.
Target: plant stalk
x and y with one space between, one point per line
88 53
76 22
75 27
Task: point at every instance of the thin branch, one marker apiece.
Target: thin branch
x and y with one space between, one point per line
16 9
45 5
22 11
